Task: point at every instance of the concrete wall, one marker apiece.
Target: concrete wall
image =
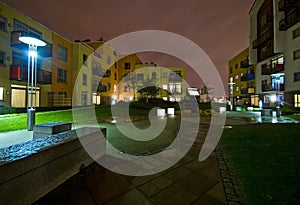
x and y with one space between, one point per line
25 180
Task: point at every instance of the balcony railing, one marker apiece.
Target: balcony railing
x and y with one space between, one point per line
249 90
19 73
269 70
248 76
290 20
244 63
285 4
269 87
263 38
45 51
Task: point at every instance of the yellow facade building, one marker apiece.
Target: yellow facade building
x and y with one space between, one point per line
241 80
80 73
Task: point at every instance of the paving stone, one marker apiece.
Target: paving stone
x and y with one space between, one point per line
162 182
105 186
172 195
130 198
208 200
218 193
149 189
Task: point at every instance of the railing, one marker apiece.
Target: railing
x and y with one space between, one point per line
20 73
290 20
269 70
244 63
45 51
263 38
57 102
269 87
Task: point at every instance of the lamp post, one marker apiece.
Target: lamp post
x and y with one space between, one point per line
32 43
231 93
277 79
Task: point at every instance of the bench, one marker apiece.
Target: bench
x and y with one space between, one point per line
50 128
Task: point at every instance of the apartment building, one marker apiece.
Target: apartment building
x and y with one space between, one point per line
274 48
241 80
14 60
79 73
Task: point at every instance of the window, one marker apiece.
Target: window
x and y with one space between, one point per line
126 88
96 68
84 59
108 86
84 97
3 22
140 76
165 75
127 65
95 84
62 53
84 79
296 33
115 76
165 87
236 66
296 54
107 74
2 58
19 26
153 75
297 77
108 59
230 69
61 75
297 100
175 87
1 94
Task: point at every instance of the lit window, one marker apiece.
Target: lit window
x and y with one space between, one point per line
165 87
297 100
1 94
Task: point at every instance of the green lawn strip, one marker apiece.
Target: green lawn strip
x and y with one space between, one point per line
296 117
266 160
12 122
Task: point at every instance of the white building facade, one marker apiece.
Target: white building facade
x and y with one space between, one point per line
275 49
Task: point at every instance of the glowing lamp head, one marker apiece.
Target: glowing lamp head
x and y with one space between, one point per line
32 41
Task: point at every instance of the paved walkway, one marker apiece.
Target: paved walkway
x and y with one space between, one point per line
187 182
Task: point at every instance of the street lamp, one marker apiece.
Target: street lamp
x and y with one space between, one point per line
33 43
231 93
277 79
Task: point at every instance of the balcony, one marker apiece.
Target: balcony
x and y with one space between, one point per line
45 51
269 87
248 76
263 38
290 19
249 90
19 73
245 63
285 4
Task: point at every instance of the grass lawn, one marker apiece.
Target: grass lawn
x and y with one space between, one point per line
266 159
19 121
296 117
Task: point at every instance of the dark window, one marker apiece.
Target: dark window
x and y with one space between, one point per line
126 88
236 65
115 76
2 58
84 59
3 22
19 26
61 75
107 74
62 53
84 79
296 54
127 65
140 76
297 76
296 33
230 69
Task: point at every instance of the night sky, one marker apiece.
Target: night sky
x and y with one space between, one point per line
219 27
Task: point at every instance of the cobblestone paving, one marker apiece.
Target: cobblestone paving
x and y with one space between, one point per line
233 190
